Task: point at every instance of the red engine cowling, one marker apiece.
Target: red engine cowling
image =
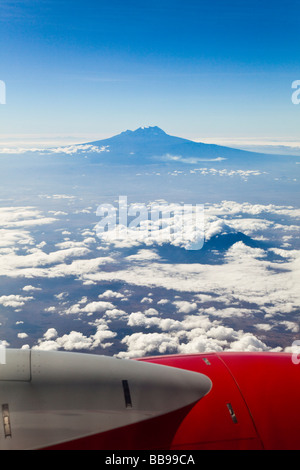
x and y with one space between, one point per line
253 404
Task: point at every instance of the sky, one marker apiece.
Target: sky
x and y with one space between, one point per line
200 69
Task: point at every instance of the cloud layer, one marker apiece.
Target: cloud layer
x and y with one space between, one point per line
134 300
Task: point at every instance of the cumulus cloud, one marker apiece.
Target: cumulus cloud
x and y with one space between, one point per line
248 343
22 335
191 160
246 276
51 265
75 340
193 335
109 294
188 227
77 149
185 307
146 300
31 289
14 301
141 344
244 174
143 255
21 256
157 223
92 307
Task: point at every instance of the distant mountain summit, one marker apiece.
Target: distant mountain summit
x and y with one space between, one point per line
152 145
145 131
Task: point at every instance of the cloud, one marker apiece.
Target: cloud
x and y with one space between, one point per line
146 300
51 265
11 217
14 301
163 301
244 174
76 149
31 289
92 307
191 160
195 334
185 226
234 208
50 334
108 294
257 284
184 306
248 343
75 340
143 255
141 344
82 149
21 256
246 276
22 335
154 224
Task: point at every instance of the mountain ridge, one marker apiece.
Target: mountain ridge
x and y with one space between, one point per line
152 145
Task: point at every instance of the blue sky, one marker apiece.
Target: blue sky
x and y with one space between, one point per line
196 68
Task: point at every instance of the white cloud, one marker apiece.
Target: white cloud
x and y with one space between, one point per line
143 255
177 340
22 335
141 344
115 314
75 340
109 294
62 295
234 208
31 289
91 307
246 276
76 149
244 174
181 227
50 334
163 302
22 216
67 150
151 311
158 223
184 306
14 301
191 160
248 343
50 309
146 300
290 326
247 283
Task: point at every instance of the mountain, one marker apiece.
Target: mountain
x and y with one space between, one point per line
150 145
